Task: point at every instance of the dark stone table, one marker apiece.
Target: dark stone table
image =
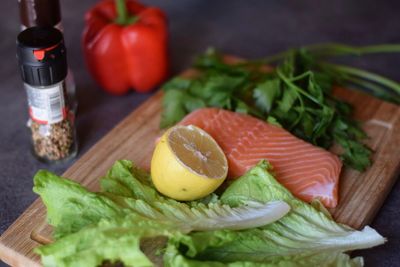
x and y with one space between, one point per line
247 28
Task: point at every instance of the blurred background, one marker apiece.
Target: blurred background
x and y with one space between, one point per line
250 29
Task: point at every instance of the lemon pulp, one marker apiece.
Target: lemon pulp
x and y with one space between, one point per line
188 163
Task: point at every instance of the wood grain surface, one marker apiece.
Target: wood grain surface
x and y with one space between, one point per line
361 194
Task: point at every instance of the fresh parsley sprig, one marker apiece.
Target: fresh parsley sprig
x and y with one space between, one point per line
296 94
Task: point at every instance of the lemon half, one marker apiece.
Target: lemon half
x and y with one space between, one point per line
187 163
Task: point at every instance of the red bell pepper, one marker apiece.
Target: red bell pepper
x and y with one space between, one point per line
125 45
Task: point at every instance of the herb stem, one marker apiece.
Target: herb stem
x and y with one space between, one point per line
334 49
364 75
288 82
301 76
328 50
374 88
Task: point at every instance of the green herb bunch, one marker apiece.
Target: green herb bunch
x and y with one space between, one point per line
296 94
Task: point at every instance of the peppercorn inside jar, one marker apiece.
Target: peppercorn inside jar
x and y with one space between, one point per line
42 58
53 141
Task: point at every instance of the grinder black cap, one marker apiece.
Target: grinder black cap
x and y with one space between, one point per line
41 56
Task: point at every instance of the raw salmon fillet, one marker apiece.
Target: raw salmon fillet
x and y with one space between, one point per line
306 170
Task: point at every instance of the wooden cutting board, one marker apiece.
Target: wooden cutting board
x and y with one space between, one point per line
361 194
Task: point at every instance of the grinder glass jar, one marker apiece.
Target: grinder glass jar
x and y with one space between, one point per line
42 60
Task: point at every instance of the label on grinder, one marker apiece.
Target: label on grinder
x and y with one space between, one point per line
46 105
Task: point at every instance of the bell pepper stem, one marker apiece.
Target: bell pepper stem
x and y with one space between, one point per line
123 17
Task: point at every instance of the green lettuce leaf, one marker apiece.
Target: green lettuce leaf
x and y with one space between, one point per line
303 233
113 240
173 257
70 207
